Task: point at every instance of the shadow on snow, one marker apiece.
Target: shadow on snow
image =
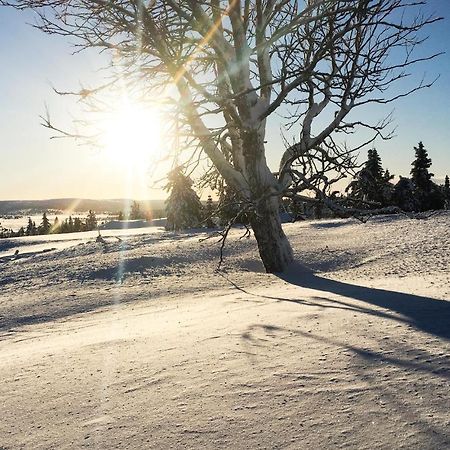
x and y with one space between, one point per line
424 313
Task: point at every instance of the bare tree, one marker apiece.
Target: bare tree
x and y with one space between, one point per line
233 63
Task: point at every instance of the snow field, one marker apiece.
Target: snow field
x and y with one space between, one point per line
141 344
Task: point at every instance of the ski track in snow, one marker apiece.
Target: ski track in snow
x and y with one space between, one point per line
140 343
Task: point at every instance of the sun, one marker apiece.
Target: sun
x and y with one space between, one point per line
132 136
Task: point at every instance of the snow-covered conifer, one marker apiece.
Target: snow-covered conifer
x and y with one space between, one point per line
45 226
31 228
372 183
427 194
183 207
403 195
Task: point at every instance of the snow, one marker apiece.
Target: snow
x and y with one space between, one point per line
140 343
124 224
32 245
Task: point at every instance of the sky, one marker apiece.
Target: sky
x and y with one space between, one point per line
33 166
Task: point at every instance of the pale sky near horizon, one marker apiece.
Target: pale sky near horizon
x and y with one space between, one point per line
34 167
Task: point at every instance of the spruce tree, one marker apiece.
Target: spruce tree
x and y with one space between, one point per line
77 224
373 164
372 183
447 188
135 212
387 175
420 175
446 192
91 221
209 211
427 194
183 207
64 226
56 226
29 230
45 226
403 195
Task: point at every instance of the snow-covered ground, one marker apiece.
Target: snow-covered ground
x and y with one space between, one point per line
140 343
32 245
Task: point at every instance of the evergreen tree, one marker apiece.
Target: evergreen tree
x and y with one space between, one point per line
372 183
91 221
386 188
77 224
419 173
447 189
56 226
45 226
70 224
30 228
387 175
446 192
318 208
135 212
427 194
403 195
183 207
64 226
209 211
373 164
120 216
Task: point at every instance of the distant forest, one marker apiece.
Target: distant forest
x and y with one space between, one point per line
74 224
32 207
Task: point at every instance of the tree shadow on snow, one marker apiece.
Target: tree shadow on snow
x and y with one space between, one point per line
331 224
424 313
143 266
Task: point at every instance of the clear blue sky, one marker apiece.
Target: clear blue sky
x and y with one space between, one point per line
34 167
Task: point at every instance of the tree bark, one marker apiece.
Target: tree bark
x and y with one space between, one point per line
274 247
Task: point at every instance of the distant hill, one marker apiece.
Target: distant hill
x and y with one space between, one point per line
73 204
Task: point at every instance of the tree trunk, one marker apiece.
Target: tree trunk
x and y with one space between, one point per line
274 247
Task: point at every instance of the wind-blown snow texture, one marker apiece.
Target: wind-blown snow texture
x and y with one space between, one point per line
139 343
